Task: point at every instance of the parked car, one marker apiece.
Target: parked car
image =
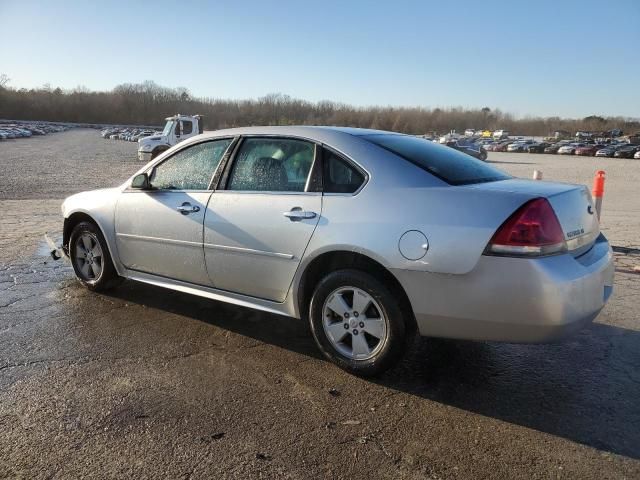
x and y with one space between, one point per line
537 147
502 146
589 150
626 152
476 151
520 146
569 149
608 151
552 148
369 235
19 132
28 129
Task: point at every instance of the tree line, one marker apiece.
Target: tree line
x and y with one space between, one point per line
148 104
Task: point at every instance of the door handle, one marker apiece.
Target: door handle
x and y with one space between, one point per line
296 214
186 208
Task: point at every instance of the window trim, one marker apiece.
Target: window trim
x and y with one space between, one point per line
211 185
315 180
223 185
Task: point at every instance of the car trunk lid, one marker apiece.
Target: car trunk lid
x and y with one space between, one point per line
572 205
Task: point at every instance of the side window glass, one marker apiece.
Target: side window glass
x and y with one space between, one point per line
339 175
272 164
187 127
191 168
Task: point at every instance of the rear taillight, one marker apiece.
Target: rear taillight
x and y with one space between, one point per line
532 230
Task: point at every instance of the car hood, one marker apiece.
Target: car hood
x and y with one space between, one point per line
152 140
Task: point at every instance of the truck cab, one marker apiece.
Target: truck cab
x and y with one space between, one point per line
500 135
176 129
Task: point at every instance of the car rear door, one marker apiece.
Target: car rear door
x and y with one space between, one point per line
259 222
159 231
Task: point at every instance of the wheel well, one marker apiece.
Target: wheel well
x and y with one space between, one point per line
70 223
160 148
338 260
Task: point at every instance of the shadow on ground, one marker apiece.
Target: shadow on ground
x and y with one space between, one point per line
498 162
585 389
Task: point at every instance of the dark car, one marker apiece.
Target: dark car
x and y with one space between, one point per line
537 147
627 152
553 148
476 151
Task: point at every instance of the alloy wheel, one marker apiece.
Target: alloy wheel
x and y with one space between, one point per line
354 323
88 257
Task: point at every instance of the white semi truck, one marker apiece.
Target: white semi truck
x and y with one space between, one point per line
178 128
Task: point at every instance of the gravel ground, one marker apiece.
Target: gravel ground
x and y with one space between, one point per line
150 383
621 203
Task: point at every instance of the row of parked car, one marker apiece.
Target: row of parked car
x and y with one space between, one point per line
615 149
128 134
25 130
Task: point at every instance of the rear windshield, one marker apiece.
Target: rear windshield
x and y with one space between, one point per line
452 166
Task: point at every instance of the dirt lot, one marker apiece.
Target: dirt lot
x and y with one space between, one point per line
148 383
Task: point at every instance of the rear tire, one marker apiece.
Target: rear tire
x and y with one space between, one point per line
358 323
483 156
90 258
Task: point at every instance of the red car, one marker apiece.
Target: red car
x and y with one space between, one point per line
588 150
501 147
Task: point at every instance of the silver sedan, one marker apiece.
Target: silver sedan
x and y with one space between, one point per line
372 236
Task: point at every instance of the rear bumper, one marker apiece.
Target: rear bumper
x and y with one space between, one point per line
513 299
144 156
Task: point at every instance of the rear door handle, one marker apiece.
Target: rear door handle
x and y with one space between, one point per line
186 208
296 214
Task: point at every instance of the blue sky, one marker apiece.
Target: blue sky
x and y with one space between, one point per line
567 58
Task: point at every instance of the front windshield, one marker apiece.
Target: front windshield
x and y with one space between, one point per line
167 128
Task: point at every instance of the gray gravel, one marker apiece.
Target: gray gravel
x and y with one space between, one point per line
149 383
59 164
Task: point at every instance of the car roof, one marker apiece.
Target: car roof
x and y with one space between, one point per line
312 132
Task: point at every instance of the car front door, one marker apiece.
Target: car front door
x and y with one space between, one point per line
259 223
159 230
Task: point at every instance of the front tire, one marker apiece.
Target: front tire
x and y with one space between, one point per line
483 156
90 258
358 323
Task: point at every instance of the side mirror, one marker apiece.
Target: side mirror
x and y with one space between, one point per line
141 182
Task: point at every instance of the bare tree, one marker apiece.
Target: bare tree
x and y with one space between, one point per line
148 103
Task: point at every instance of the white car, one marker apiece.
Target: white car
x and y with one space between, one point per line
569 149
